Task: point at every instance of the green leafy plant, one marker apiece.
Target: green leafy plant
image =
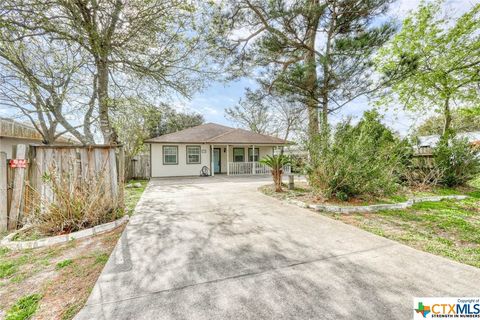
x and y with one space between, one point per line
457 160
24 308
276 163
362 160
432 63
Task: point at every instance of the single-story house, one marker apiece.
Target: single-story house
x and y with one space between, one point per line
13 132
213 149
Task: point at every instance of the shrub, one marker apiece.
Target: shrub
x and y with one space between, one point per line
457 161
362 160
75 204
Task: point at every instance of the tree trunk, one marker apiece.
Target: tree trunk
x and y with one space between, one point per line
311 73
109 135
277 180
448 117
326 66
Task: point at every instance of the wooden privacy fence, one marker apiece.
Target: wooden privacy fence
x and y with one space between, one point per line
138 167
98 168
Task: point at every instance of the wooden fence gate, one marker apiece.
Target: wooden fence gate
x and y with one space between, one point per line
31 187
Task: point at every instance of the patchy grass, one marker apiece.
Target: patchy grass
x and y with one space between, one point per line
475 183
24 308
60 277
132 195
447 228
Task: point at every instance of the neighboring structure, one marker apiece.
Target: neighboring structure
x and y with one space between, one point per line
427 143
219 148
13 132
432 141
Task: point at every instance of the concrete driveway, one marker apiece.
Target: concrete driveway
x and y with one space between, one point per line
216 248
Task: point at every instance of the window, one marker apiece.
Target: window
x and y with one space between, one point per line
253 158
170 154
238 154
193 154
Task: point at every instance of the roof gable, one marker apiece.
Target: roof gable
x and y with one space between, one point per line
216 133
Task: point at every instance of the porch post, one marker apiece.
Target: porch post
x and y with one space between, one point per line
253 159
228 160
212 166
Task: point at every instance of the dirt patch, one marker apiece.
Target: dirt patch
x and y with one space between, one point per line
303 192
64 287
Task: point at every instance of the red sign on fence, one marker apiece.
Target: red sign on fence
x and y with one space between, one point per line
18 163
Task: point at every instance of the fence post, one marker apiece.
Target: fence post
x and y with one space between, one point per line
3 192
18 189
291 182
121 176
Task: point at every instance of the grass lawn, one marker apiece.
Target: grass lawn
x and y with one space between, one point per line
55 282
132 195
447 228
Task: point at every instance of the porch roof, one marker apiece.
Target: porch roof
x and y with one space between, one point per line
213 133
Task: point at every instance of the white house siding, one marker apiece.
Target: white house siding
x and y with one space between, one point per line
182 168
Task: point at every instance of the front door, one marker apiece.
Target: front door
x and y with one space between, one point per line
217 160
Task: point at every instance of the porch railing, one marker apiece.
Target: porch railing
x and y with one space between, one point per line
244 168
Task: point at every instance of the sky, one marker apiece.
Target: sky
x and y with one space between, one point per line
212 101
218 96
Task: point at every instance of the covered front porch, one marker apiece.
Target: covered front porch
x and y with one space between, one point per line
242 159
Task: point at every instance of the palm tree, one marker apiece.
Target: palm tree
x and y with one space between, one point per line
276 163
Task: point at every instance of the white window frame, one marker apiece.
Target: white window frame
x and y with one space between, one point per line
164 154
199 148
256 154
243 154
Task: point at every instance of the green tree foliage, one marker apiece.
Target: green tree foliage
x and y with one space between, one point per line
173 121
362 160
433 63
318 51
136 120
462 121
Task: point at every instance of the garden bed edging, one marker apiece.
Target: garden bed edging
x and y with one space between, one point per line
7 242
374 207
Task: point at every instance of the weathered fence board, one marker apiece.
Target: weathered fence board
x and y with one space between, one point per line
3 192
18 189
138 167
99 167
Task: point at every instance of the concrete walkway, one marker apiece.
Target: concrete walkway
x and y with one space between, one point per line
216 248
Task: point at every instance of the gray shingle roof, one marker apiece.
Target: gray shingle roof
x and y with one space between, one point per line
216 133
